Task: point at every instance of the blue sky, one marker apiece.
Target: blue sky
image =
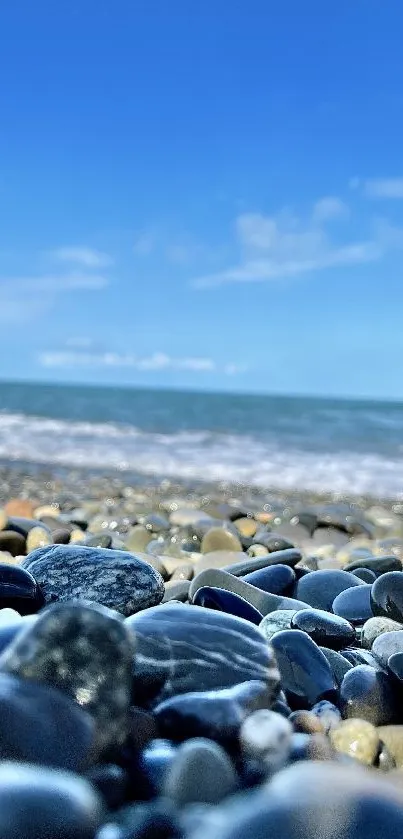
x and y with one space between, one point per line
203 194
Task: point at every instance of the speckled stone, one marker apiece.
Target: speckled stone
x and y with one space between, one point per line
356 738
276 621
219 539
114 579
85 651
374 627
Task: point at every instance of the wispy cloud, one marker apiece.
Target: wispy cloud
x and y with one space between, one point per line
81 255
384 188
25 297
158 361
282 246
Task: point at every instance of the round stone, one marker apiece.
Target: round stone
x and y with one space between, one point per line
19 590
38 537
320 588
277 579
374 627
387 596
219 539
358 739
20 507
201 771
246 526
12 542
306 676
138 538
325 629
392 737
387 645
338 663
365 575
354 604
368 694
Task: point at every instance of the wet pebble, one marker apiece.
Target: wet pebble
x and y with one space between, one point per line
276 621
357 738
354 604
227 601
266 736
387 596
320 588
277 579
260 600
374 627
306 676
200 772
325 629
338 663
387 645
219 539
369 694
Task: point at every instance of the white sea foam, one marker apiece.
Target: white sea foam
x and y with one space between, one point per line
196 455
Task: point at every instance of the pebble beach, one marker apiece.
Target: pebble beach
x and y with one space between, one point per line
182 659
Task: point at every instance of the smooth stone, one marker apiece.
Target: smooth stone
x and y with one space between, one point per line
276 621
246 526
329 536
47 803
387 645
357 656
114 579
219 539
86 652
227 601
358 739
37 538
309 747
61 536
295 532
154 762
354 604
257 551
201 771
20 507
392 737
390 545
260 600
10 629
96 540
266 736
338 663
320 588
188 516
325 629
272 541
374 627
365 575
386 761
215 714
39 724
387 596
185 571
12 542
138 538
156 562
219 559
327 714
19 590
183 648
378 564
155 522
306 676
290 557
368 694
395 666
176 590
279 579
305 722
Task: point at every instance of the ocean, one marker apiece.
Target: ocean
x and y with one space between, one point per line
290 443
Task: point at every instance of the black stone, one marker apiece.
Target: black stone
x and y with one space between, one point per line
387 596
116 579
357 656
47 803
154 762
61 536
354 604
386 645
320 588
39 724
306 676
215 714
99 540
290 557
260 600
368 694
279 579
12 542
181 648
153 820
19 590
378 564
325 629
365 574
227 601
338 663
201 771
395 666
111 781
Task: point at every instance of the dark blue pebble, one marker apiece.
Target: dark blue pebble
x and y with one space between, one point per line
387 596
365 574
369 694
226 601
19 590
306 676
278 579
325 629
354 604
320 588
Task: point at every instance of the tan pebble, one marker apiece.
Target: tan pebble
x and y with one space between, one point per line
306 723
328 562
265 518
3 520
76 535
219 559
246 527
356 738
52 510
257 550
219 539
8 559
392 736
183 572
38 537
138 538
20 507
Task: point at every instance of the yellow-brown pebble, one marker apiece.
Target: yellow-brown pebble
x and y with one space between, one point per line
246 527
38 537
356 738
138 538
392 736
219 539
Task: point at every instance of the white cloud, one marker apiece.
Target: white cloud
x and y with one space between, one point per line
82 255
384 187
281 246
155 362
26 297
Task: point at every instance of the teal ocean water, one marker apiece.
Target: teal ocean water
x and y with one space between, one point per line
269 441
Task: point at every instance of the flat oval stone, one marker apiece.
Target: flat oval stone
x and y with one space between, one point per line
374 627
12 542
19 590
306 676
365 575
279 579
290 557
260 600
276 621
338 663
39 724
227 601
356 738
181 648
219 539
320 588
368 694
201 771
387 645
215 714
378 564
354 604
47 803
85 651
387 596
325 629
116 579
272 541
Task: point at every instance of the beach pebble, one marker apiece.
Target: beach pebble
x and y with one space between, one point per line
138 538
368 694
387 596
115 579
276 621
229 651
327 713
246 526
325 629
320 588
247 563
260 600
392 737
387 645
266 735
38 537
306 676
365 575
374 627
227 601
277 579
338 663
378 564
354 604
200 772
219 539
358 739
12 542
218 559
85 651
19 590
20 507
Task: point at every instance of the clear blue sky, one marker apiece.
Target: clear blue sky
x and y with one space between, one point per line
203 194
